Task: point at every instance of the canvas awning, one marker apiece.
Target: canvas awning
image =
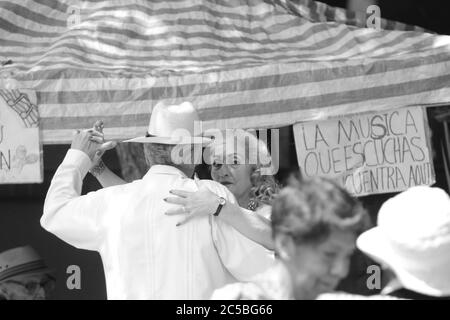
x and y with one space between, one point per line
243 63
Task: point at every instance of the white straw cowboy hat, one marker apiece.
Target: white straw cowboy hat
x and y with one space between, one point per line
412 237
21 261
173 124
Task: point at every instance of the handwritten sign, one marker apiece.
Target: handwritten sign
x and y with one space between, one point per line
370 153
20 147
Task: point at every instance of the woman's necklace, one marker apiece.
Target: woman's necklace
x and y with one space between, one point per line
252 205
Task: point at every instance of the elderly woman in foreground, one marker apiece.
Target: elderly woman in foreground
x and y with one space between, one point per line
315 225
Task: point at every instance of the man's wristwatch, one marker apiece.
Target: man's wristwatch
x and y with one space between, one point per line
222 202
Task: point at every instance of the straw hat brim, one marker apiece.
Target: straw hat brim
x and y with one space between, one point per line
45 270
171 140
375 244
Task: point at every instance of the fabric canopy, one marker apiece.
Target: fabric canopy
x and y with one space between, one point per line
242 63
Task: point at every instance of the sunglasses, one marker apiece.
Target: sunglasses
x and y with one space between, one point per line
32 286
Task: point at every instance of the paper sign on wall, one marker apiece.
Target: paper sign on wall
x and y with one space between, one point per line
369 153
20 147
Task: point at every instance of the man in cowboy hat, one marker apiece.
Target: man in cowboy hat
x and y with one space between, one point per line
145 255
24 275
412 241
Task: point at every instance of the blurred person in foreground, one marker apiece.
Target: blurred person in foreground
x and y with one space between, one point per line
315 225
24 275
412 242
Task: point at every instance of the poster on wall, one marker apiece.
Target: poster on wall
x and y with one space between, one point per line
368 153
20 146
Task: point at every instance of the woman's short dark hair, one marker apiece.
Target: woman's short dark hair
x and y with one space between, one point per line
309 209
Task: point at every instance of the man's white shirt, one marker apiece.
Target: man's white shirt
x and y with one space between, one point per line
144 254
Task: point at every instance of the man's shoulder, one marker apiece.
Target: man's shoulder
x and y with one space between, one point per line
122 188
265 211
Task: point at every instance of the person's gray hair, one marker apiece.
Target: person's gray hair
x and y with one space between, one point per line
308 209
156 153
264 186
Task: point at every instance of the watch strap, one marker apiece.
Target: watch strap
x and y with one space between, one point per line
219 208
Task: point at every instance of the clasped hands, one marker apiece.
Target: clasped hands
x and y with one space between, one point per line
92 142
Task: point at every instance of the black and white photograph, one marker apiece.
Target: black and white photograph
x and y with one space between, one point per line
225 155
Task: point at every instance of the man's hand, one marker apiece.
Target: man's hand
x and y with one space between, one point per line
98 127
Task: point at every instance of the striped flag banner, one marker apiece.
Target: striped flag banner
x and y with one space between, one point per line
242 63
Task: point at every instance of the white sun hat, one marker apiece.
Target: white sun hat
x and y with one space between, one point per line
173 124
412 237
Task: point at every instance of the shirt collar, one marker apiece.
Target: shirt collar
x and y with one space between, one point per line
276 282
164 169
392 286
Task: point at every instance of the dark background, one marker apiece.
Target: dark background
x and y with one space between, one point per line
20 211
21 205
